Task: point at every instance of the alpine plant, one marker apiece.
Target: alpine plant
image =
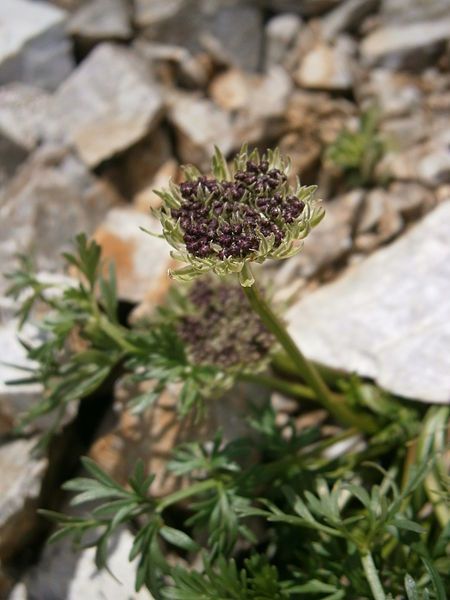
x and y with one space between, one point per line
247 213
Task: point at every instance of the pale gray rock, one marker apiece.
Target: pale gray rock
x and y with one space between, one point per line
22 110
329 242
200 125
395 94
411 45
387 318
280 35
408 11
51 199
34 47
327 67
141 260
20 486
231 32
108 103
66 573
346 16
101 20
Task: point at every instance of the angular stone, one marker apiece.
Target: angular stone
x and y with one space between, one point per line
101 20
33 45
230 89
329 242
412 45
20 486
107 104
200 125
395 94
51 199
22 110
141 260
408 11
327 67
281 33
68 573
385 318
346 17
151 12
146 198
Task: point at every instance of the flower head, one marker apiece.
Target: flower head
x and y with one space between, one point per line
212 329
225 221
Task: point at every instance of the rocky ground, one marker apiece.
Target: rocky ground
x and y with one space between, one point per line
101 101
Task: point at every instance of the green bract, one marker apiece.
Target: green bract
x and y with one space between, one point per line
245 214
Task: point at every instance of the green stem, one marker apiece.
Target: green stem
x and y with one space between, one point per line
371 574
296 390
115 333
192 490
305 368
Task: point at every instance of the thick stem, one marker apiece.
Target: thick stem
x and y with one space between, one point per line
371 574
305 368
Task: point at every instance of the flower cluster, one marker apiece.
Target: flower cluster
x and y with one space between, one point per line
252 213
212 331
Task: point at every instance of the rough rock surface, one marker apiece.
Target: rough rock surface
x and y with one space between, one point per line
386 318
107 104
327 67
20 485
34 47
200 125
65 573
141 260
51 199
411 45
100 20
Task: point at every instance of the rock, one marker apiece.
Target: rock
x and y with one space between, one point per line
34 48
346 17
20 487
107 104
146 198
408 46
153 435
380 221
304 152
151 12
307 8
385 318
51 199
231 32
141 260
230 90
328 243
234 36
68 573
395 94
101 20
22 109
411 200
280 35
408 11
327 67
200 125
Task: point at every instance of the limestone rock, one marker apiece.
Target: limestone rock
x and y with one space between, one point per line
327 243
386 318
33 45
303 7
22 109
51 199
346 16
280 34
395 94
412 45
66 573
327 67
146 198
107 104
200 125
20 486
101 20
408 11
230 89
141 260
231 32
